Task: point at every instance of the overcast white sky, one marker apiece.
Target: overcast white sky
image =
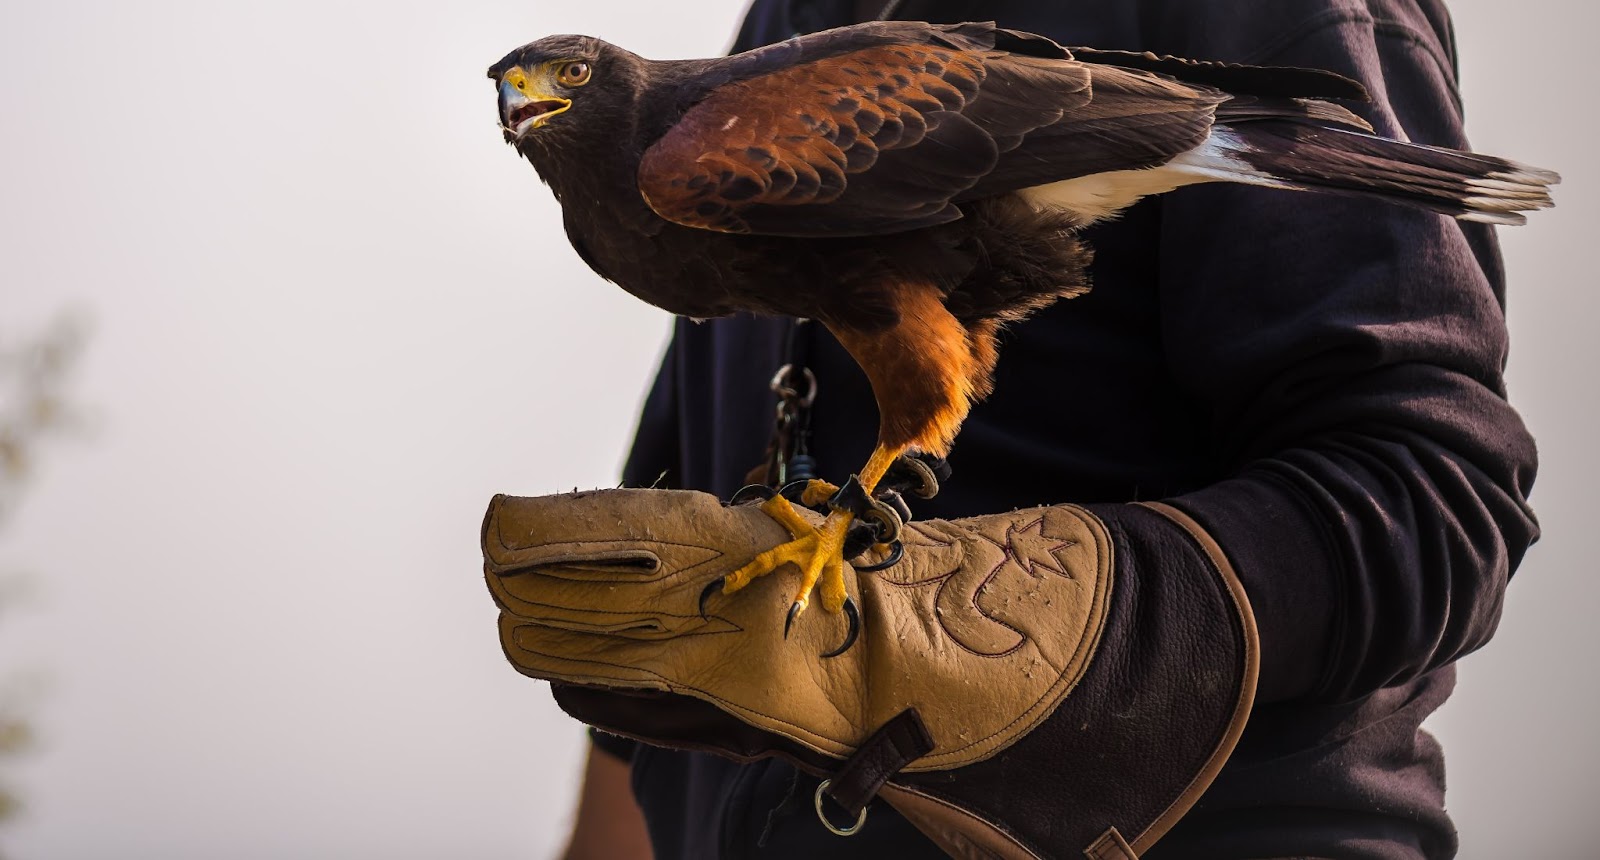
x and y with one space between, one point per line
332 314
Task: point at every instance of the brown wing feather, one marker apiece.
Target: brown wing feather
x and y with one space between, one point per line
1270 81
890 137
791 137
1132 120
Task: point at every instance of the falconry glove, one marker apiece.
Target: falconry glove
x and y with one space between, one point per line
1025 685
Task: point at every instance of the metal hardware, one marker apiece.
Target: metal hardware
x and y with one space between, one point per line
832 828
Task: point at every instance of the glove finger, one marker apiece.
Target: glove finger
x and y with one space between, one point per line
537 599
641 556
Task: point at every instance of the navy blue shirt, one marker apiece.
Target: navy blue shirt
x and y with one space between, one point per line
1317 381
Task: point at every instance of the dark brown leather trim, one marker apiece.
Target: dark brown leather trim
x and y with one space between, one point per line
1110 846
894 745
962 835
1247 687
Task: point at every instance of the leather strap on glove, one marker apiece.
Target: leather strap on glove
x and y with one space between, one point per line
1043 683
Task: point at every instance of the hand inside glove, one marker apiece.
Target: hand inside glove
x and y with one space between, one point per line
1028 684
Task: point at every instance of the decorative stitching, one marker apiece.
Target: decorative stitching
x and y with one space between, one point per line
500 539
972 600
535 622
816 741
1090 643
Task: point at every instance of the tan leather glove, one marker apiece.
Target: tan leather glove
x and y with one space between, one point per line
1022 686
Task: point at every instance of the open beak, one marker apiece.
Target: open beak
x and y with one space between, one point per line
520 112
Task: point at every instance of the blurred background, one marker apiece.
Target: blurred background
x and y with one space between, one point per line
279 312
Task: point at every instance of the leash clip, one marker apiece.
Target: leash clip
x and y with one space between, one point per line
783 384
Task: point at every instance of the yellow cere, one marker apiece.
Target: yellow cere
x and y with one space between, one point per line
516 77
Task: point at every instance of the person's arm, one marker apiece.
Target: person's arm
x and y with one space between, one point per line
1374 501
609 825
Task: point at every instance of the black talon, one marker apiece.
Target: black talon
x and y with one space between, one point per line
794 609
853 616
751 491
705 595
897 551
794 491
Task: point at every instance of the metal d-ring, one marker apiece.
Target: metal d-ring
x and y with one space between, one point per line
823 816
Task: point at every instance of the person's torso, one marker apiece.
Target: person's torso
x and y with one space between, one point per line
1085 409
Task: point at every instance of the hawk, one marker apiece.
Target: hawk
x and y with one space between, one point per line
914 187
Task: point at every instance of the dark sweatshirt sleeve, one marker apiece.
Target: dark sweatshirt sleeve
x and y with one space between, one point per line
1351 354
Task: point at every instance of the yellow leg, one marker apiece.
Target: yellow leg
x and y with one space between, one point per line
818 552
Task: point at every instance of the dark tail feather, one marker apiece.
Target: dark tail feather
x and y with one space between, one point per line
1462 185
1242 109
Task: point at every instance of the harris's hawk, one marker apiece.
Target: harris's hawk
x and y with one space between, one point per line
914 186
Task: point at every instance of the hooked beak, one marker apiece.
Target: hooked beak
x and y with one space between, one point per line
523 107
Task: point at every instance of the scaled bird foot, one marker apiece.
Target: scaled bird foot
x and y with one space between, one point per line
814 494
817 552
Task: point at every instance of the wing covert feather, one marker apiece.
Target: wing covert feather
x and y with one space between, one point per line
796 137
889 137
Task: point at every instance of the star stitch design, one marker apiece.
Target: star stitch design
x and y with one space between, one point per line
1033 551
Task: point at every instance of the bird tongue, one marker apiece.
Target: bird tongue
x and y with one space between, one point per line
532 110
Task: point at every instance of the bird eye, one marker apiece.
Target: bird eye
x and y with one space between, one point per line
573 74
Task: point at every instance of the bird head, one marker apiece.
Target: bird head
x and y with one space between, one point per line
562 88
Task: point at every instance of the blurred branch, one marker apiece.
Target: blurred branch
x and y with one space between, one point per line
32 375
32 407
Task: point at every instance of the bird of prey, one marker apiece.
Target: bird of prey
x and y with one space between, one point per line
914 186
